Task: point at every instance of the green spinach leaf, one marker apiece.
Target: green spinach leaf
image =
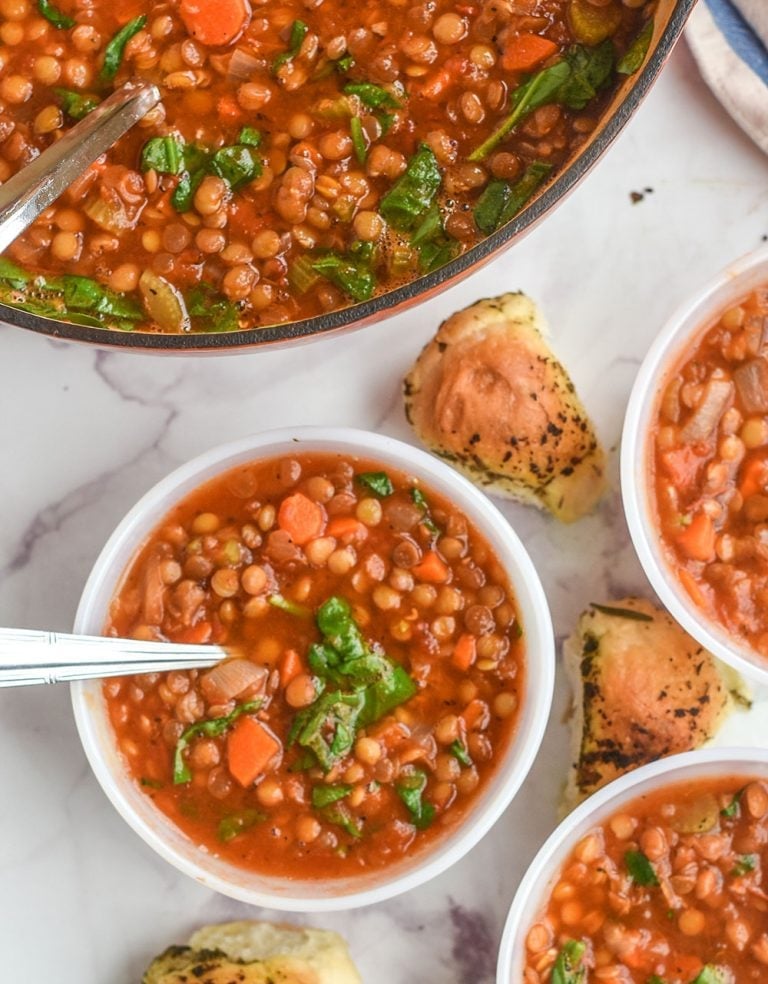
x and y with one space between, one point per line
113 53
410 788
53 15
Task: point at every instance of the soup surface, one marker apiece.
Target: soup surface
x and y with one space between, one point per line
710 461
668 891
376 667
307 154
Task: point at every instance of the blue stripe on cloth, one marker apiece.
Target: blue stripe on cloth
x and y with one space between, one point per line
740 36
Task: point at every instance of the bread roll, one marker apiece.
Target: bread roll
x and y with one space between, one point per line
256 953
643 689
488 395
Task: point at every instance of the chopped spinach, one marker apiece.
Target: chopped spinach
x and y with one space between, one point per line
421 501
237 823
237 165
377 482
640 868
358 139
434 247
344 63
148 783
325 795
163 154
339 814
299 31
410 788
591 69
744 865
13 274
501 201
710 974
113 53
572 82
367 685
635 54
249 136
210 311
327 727
568 968
286 605
385 695
372 96
205 729
458 750
76 105
53 15
411 196
350 271
734 807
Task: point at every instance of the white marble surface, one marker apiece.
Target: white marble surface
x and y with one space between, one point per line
84 433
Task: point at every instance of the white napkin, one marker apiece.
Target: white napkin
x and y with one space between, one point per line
729 40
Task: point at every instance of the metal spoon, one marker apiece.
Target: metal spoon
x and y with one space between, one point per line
28 656
29 192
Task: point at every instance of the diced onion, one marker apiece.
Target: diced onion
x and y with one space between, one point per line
702 425
231 678
752 385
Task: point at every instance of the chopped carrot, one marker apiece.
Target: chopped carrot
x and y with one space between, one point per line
229 108
431 569
390 734
436 84
474 713
290 667
196 635
301 518
347 526
465 652
526 51
692 586
697 540
754 474
687 966
215 23
681 465
250 748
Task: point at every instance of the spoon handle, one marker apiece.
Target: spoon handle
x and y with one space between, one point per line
29 192
28 656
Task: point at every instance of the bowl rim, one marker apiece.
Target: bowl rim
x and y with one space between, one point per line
519 756
388 303
542 871
687 324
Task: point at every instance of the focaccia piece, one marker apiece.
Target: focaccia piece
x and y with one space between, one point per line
643 689
488 395
256 953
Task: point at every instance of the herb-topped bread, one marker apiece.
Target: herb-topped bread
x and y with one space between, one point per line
256 953
643 689
488 395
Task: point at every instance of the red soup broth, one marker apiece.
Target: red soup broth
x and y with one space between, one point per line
667 891
375 674
709 457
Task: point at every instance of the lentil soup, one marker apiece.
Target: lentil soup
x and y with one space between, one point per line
306 154
375 677
709 460
669 890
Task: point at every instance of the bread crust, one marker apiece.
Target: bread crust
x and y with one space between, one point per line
643 689
249 952
488 395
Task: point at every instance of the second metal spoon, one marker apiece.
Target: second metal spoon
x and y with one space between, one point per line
29 192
